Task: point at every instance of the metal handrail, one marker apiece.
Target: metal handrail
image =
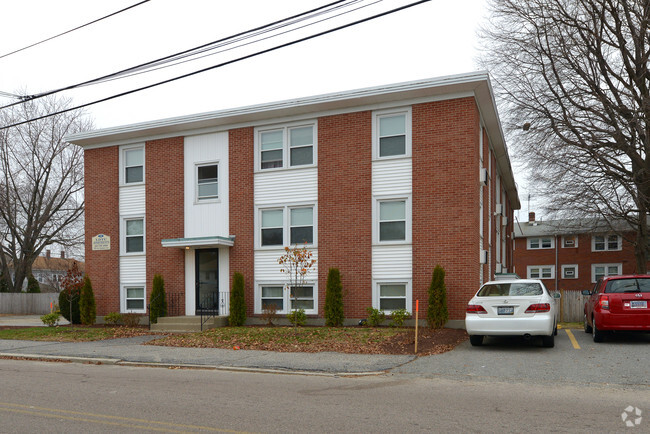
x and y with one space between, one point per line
212 300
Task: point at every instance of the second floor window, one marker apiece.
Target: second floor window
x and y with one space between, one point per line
603 243
133 165
392 220
392 135
207 182
541 243
287 147
134 236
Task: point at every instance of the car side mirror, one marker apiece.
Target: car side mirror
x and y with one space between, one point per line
586 292
557 295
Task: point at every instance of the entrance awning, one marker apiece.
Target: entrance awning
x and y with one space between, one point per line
199 242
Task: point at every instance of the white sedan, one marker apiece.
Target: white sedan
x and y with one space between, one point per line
521 307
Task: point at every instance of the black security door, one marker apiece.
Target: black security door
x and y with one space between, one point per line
207 281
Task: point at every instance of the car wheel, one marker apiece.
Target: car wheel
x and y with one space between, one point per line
587 326
476 340
598 335
548 341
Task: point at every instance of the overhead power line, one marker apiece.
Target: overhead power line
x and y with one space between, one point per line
72 30
178 55
258 53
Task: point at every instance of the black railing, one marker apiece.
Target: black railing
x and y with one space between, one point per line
209 307
174 305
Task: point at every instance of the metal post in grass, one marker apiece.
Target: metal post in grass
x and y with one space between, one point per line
417 310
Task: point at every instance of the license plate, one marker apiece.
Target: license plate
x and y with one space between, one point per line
505 310
638 304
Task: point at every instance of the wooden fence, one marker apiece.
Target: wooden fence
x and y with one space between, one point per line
21 303
572 306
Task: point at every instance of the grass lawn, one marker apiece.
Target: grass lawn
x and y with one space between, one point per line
70 334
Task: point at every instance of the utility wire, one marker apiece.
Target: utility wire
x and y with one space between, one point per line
172 56
180 60
249 56
72 30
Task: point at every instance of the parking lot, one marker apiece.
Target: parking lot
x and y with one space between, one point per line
620 360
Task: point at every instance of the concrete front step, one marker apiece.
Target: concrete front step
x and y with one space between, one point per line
180 324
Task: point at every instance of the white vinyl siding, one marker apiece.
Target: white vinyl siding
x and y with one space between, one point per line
283 187
267 268
132 200
392 262
210 217
391 177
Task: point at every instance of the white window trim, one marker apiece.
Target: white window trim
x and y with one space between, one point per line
375 131
530 267
409 293
123 287
528 240
122 162
123 251
286 295
574 266
197 200
575 237
593 270
285 145
375 219
606 249
286 225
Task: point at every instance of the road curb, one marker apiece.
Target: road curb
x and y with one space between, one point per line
72 359
119 362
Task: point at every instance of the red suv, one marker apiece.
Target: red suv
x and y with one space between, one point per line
618 303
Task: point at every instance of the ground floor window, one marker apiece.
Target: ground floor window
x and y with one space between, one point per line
278 295
598 271
134 299
390 296
541 271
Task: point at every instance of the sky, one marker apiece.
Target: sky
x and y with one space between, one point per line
433 39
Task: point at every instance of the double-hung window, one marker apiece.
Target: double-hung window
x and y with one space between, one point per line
207 182
133 165
134 298
541 271
598 271
291 146
285 300
271 149
602 243
392 135
134 235
302 225
392 296
392 220
272 227
287 226
541 243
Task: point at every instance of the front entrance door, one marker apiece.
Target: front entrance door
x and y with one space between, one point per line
207 281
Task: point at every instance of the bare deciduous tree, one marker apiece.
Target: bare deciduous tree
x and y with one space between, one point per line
41 184
573 80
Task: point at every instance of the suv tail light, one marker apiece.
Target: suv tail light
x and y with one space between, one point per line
603 302
538 307
475 308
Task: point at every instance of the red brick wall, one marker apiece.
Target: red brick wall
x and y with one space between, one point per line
101 171
345 208
164 216
581 255
446 200
242 208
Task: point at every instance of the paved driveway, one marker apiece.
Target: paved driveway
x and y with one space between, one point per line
621 359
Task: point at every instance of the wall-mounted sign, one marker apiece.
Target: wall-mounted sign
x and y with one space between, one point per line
102 242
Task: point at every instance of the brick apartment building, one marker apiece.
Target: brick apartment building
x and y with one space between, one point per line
383 183
571 254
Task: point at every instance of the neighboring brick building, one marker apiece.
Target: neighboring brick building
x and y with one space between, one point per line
571 254
383 183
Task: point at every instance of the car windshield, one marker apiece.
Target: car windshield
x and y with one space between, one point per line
510 289
627 285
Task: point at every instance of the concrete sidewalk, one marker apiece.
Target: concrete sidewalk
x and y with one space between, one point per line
131 351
